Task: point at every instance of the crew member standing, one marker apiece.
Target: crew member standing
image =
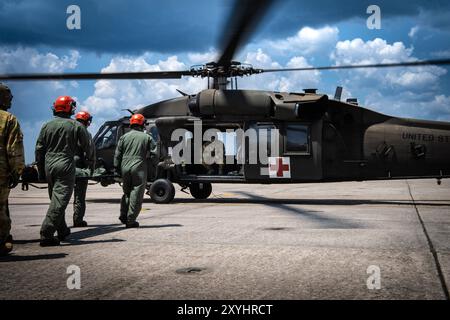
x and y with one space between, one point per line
55 151
84 164
130 161
11 164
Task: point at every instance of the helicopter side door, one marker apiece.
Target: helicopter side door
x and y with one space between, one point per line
301 150
293 152
262 142
342 146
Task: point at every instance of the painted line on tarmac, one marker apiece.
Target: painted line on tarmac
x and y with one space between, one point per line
431 246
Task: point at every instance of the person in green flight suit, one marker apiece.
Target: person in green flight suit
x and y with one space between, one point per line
85 164
55 151
130 161
11 164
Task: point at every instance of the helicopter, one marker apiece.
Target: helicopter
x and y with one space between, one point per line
296 137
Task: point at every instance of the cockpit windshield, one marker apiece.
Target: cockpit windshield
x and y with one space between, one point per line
107 137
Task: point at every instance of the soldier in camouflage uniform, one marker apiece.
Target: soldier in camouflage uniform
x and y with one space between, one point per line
85 164
131 161
55 151
11 164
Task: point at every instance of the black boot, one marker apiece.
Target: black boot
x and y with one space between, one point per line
80 224
123 220
49 242
64 234
133 224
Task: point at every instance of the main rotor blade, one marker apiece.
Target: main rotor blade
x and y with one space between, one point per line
243 19
96 76
362 66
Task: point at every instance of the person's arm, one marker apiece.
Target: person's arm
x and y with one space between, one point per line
91 154
40 152
84 141
14 151
118 156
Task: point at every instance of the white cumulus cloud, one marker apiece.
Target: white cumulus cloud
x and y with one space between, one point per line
357 51
31 60
32 100
111 97
287 81
308 40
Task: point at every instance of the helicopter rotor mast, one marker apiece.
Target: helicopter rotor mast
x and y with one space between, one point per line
243 19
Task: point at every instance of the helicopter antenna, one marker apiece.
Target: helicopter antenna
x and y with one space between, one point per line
182 93
338 94
130 111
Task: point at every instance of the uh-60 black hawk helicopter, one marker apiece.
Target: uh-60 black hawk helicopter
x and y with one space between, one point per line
312 138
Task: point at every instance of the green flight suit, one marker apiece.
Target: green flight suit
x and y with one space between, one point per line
131 160
11 160
55 151
84 165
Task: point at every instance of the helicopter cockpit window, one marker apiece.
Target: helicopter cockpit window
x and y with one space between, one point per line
297 139
107 137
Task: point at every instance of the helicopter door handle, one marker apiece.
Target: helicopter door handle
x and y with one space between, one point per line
361 163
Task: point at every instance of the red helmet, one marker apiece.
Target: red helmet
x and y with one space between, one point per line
64 104
137 119
84 116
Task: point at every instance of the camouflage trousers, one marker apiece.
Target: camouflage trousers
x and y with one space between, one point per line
5 221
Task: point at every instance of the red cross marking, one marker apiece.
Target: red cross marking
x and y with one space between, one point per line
280 167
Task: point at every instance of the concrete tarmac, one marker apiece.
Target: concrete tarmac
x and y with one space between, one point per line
293 241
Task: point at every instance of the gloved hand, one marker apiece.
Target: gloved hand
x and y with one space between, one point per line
13 180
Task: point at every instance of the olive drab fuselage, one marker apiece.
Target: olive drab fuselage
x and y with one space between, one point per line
340 141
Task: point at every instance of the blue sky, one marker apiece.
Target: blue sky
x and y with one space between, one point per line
140 35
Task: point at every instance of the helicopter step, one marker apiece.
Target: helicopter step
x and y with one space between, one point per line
214 178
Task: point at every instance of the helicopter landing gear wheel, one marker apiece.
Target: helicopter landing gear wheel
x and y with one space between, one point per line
162 191
200 190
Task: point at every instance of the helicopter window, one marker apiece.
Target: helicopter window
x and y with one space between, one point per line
107 138
271 130
297 138
154 133
229 141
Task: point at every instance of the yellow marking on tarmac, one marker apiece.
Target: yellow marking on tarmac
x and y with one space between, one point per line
227 194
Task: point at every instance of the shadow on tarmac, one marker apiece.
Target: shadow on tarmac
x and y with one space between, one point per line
320 202
98 230
76 237
253 199
16 258
262 200
26 241
324 221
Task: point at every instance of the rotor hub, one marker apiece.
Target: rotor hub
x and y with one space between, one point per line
214 70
